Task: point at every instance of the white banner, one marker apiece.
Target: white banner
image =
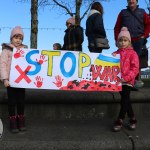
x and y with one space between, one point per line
65 70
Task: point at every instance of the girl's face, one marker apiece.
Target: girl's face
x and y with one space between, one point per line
17 40
124 42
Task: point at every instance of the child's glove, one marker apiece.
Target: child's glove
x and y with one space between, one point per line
6 83
114 54
122 80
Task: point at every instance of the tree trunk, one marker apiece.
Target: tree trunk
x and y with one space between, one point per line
34 23
78 5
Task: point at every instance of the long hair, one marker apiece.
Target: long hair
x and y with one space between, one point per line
98 6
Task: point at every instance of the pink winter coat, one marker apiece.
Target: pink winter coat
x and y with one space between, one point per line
5 60
129 64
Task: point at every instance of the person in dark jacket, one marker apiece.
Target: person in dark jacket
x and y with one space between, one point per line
95 26
138 23
74 37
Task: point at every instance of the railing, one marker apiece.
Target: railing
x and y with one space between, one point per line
145 76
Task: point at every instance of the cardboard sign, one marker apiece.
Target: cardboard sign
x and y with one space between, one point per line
65 70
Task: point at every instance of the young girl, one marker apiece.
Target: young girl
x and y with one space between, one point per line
16 96
129 64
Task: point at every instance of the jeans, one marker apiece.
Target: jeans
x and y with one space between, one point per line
139 45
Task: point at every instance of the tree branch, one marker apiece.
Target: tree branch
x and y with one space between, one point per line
63 6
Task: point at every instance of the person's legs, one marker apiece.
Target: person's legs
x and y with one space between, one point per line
138 46
125 93
11 93
20 101
20 109
11 101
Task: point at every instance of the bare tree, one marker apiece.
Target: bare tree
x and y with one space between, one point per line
73 7
34 23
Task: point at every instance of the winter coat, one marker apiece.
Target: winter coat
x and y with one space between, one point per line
126 19
95 26
73 38
129 64
5 61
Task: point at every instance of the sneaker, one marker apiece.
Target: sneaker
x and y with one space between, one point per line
118 125
21 122
132 124
139 83
13 124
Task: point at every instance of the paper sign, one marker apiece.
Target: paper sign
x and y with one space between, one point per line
65 70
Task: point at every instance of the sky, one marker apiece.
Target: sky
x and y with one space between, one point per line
52 22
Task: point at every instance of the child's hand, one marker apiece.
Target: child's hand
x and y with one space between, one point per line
6 83
114 54
122 80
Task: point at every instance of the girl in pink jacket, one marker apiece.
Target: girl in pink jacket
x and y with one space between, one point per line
16 96
129 64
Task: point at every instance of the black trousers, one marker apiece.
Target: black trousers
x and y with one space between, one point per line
126 106
16 98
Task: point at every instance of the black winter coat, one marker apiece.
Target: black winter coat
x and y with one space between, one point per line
95 27
73 38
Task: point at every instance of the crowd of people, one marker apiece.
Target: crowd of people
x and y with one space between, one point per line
131 31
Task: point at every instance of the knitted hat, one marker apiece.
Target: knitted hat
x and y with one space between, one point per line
71 20
124 32
16 30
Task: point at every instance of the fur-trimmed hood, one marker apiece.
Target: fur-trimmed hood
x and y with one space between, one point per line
10 46
93 11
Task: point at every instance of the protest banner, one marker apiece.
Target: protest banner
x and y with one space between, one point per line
65 70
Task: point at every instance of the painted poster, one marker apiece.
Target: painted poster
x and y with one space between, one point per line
65 70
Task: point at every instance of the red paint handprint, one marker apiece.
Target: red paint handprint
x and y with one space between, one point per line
42 59
59 80
39 81
19 53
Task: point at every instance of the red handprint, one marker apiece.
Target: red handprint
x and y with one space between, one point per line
19 53
39 81
59 80
42 59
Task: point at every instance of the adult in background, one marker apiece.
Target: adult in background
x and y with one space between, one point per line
95 26
74 37
138 23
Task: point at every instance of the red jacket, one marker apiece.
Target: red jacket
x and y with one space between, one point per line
129 64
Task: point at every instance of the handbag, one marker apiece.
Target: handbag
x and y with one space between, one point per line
102 43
